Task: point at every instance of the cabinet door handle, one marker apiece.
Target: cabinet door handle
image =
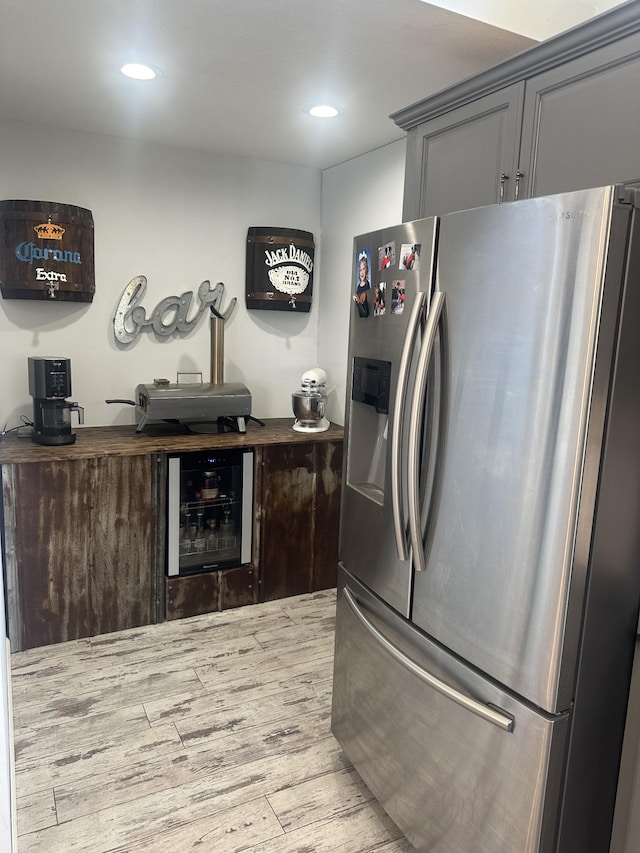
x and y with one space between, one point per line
503 177
519 175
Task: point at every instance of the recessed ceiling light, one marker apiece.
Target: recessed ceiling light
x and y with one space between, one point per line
323 111
138 71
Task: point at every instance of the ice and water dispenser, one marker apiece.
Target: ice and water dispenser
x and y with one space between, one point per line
368 426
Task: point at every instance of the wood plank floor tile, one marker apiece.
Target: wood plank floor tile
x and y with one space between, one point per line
231 682
190 652
400 845
133 782
280 639
205 796
233 830
36 811
119 688
362 829
49 659
31 743
200 633
203 734
319 799
48 663
71 763
262 674
311 612
323 689
282 706
324 598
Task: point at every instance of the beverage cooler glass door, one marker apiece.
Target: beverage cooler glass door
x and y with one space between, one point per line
210 509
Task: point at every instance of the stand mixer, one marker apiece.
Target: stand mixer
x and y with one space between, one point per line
309 402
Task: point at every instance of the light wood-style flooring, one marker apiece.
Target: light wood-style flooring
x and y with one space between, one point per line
203 734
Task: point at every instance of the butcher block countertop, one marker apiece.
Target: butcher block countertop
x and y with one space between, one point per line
157 438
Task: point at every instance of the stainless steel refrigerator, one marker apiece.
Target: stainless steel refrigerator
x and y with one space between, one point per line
489 579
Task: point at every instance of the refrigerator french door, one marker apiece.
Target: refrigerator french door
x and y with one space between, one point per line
485 705
392 277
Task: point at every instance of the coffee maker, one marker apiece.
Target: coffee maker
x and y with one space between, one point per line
50 385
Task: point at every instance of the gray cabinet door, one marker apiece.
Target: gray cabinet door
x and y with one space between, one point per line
581 123
466 157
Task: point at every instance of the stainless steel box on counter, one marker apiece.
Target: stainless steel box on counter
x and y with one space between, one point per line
192 402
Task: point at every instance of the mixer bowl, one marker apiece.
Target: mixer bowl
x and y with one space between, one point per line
308 408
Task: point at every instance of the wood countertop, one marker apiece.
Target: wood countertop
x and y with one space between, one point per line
157 438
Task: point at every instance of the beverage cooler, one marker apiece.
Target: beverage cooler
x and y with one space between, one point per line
210 511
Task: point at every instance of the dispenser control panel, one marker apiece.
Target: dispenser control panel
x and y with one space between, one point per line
372 383
49 378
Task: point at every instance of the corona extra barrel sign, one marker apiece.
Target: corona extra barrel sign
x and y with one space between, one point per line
46 251
279 269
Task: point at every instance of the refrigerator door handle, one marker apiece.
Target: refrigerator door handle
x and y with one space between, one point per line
492 714
415 426
398 425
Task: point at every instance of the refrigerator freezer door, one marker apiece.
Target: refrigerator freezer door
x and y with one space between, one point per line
453 778
383 341
524 306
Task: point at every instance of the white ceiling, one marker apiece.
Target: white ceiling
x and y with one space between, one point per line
537 20
238 75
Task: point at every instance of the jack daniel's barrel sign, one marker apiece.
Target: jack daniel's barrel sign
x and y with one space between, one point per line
46 251
279 269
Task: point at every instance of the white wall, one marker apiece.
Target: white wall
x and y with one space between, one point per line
178 217
357 196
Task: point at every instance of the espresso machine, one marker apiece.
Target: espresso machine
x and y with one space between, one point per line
50 385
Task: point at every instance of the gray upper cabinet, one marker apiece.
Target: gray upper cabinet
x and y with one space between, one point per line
561 116
581 122
443 177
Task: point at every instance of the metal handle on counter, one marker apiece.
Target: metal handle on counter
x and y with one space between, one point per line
397 426
415 427
188 373
489 713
